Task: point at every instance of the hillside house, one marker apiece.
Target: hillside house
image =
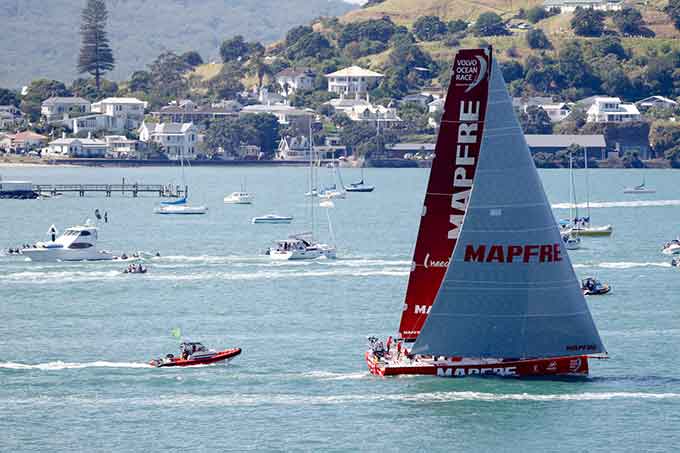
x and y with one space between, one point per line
658 102
291 80
10 117
175 140
352 80
128 110
78 148
612 110
187 111
569 6
61 108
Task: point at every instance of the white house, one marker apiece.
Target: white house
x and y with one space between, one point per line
569 6
656 102
176 140
359 109
612 110
10 117
120 147
60 108
96 122
297 148
352 80
77 147
284 113
129 110
291 80
557 112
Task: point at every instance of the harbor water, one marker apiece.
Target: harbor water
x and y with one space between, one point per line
75 338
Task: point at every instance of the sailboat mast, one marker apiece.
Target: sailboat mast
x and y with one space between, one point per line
572 201
573 188
585 157
312 182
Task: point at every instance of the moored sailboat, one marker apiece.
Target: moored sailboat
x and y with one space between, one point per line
491 291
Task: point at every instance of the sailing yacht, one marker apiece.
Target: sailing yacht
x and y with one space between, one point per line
180 206
581 226
491 290
360 186
304 246
642 188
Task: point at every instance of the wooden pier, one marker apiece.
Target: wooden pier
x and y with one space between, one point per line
161 190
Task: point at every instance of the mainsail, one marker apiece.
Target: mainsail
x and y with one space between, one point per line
448 188
510 290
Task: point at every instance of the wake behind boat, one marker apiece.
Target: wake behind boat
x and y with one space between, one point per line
491 290
192 354
78 243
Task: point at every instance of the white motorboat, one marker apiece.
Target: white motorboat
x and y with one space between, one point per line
239 198
571 241
642 188
671 247
76 244
300 247
180 209
272 218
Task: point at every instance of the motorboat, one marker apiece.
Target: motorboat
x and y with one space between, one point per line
642 188
239 198
300 247
132 269
490 291
594 287
76 244
181 209
272 218
571 241
192 354
671 247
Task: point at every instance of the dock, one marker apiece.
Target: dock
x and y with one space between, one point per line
160 190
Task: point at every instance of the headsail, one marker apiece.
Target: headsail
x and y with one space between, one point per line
510 291
448 189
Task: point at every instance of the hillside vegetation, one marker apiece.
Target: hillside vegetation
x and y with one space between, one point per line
39 38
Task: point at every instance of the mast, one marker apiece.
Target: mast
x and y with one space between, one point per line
585 157
510 290
312 182
449 185
572 200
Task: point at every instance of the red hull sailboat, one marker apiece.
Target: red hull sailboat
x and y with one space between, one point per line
491 290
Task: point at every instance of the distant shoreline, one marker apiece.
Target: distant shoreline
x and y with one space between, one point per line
10 162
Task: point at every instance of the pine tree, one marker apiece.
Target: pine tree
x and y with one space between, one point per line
96 56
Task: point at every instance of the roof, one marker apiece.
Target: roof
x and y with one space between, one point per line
83 141
294 72
28 135
65 100
170 128
655 100
121 101
354 71
274 108
564 141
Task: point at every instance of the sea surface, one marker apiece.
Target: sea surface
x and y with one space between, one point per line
75 339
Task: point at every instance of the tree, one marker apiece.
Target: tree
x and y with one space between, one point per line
227 84
86 88
609 45
261 129
457 25
311 45
258 68
233 49
587 22
429 28
489 24
225 134
192 58
512 70
140 82
96 56
673 11
537 39
9 97
167 77
535 121
380 30
536 14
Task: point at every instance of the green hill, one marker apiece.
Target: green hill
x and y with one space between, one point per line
39 38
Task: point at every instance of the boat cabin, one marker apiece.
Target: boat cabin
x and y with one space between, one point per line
191 348
289 245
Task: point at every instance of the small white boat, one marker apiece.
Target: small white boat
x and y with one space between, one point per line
584 228
671 247
300 247
642 188
272 218
571 241
239 198
181 209
76 244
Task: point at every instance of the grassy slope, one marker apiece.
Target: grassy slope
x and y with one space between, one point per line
405 12
39 38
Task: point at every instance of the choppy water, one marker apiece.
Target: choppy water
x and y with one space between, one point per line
75 337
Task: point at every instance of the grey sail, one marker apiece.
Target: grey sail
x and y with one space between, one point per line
510 290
